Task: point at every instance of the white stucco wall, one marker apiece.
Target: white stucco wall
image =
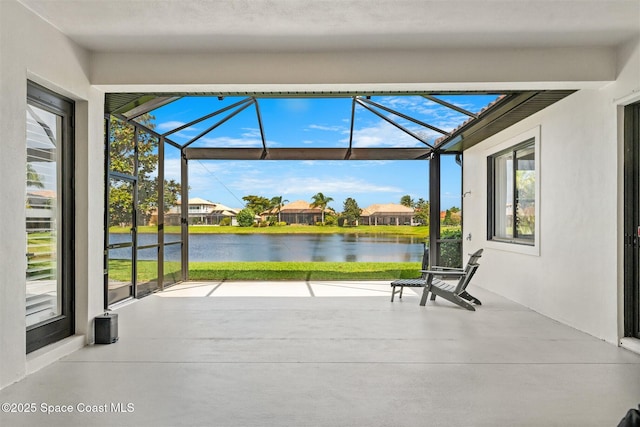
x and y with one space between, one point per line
577 275
32 49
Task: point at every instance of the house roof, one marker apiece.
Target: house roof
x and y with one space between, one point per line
387 208
199 201
48 194
298 206
225 209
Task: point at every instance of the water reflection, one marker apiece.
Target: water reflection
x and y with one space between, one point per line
291 247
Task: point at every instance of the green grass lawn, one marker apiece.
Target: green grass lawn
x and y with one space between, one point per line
147 270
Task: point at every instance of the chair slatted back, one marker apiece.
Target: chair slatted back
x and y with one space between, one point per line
474 257
425 260
469 271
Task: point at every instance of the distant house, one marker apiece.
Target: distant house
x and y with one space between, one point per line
455 217
298 212
40 210
201 212
387 214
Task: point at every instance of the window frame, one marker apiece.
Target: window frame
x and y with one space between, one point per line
531 246
63 325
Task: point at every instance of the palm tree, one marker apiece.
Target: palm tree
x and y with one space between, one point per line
278 203
407 201
321 201
33 177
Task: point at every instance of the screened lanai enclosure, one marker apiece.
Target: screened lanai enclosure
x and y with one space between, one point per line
151 139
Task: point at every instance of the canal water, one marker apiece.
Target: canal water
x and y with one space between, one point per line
285 247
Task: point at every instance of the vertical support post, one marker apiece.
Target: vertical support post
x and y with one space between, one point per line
184 214
434 209
107 186
134 227
161 213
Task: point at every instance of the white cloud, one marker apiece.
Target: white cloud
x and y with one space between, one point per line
326 128
172 169
309 185
370 163
383 135
228 181
229 142
170 125
426 111
251 133
183 136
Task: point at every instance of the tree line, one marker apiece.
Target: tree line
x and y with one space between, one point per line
349 215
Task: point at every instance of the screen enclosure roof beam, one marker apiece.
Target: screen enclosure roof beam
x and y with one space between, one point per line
307 153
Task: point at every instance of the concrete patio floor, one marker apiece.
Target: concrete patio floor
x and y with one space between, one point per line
331 354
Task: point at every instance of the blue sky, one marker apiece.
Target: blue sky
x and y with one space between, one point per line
314 122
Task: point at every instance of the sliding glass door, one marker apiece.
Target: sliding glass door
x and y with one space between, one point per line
121 240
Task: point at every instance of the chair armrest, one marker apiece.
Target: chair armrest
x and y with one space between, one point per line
438 268
444 273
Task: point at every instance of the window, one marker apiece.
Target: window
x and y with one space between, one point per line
512 194
49 222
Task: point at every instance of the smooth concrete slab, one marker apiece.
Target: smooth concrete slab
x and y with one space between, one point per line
281 360
262 289
350 289
190 290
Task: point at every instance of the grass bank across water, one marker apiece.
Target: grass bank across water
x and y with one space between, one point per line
118 270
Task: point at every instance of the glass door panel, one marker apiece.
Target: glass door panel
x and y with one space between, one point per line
121 240
632 309
450 242
120 267
172 263
146 270
43 216
632 221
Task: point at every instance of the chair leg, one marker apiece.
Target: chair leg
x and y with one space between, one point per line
425 294
466 295
393 292
433 296
462 303
401 289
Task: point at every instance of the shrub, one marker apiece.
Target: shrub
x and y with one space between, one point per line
246 217
330 220
272 220
225 221
451 252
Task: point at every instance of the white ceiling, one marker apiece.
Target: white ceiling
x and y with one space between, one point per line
333 25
